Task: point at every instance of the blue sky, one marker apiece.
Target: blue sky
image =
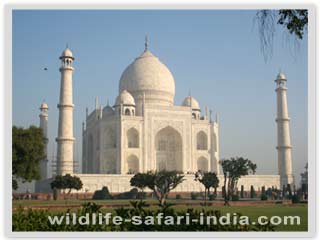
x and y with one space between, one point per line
215 54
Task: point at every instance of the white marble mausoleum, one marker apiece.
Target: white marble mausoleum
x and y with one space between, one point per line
144 129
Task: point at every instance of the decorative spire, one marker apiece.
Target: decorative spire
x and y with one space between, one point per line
146 43
210 115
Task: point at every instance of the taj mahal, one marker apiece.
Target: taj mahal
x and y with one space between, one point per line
143 129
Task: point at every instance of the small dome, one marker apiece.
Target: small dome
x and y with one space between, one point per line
44 105
125 98
191 102
108 110
67 53
281 76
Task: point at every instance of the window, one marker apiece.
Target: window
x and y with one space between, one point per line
127 112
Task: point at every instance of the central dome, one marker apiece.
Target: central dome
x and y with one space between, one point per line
149 79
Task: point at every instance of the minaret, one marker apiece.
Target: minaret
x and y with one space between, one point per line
65 139
44 126
214 144
283 132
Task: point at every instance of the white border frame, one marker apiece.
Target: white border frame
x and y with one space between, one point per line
311 119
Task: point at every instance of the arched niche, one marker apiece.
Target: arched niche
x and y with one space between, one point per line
202 164
202 141
132 164
168 145
132 138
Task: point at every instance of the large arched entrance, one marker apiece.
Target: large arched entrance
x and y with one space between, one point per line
168 145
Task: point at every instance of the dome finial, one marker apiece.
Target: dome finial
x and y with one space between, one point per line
146 43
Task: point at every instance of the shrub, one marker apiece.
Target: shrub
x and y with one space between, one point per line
178 196
242 191
132 194
55 194
223 191
141 195
102 194
235 198
252 192
295 198
289 190
264 197
37 220
194 195
212 196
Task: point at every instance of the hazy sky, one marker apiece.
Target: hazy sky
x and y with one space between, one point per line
216 54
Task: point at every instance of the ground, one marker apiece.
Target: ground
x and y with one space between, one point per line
252 211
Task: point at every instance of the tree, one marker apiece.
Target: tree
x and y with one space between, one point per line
14 184
162 182
208 180
27 152
66 182
295 21
304 179
141 181
233 169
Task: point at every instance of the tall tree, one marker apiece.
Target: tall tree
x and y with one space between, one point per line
27 151
162 182
66 182
208 180
294 21
233 169
304 179
141 181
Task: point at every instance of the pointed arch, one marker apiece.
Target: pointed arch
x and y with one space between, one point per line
109 138
202 164
168 145
132 138
132 165
202 141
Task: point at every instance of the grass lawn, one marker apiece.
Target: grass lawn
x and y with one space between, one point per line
253 212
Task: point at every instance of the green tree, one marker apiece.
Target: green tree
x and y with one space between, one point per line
233 169
304 180
208 180
162 182
27 151
294 21
242 191
141 181
66 182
